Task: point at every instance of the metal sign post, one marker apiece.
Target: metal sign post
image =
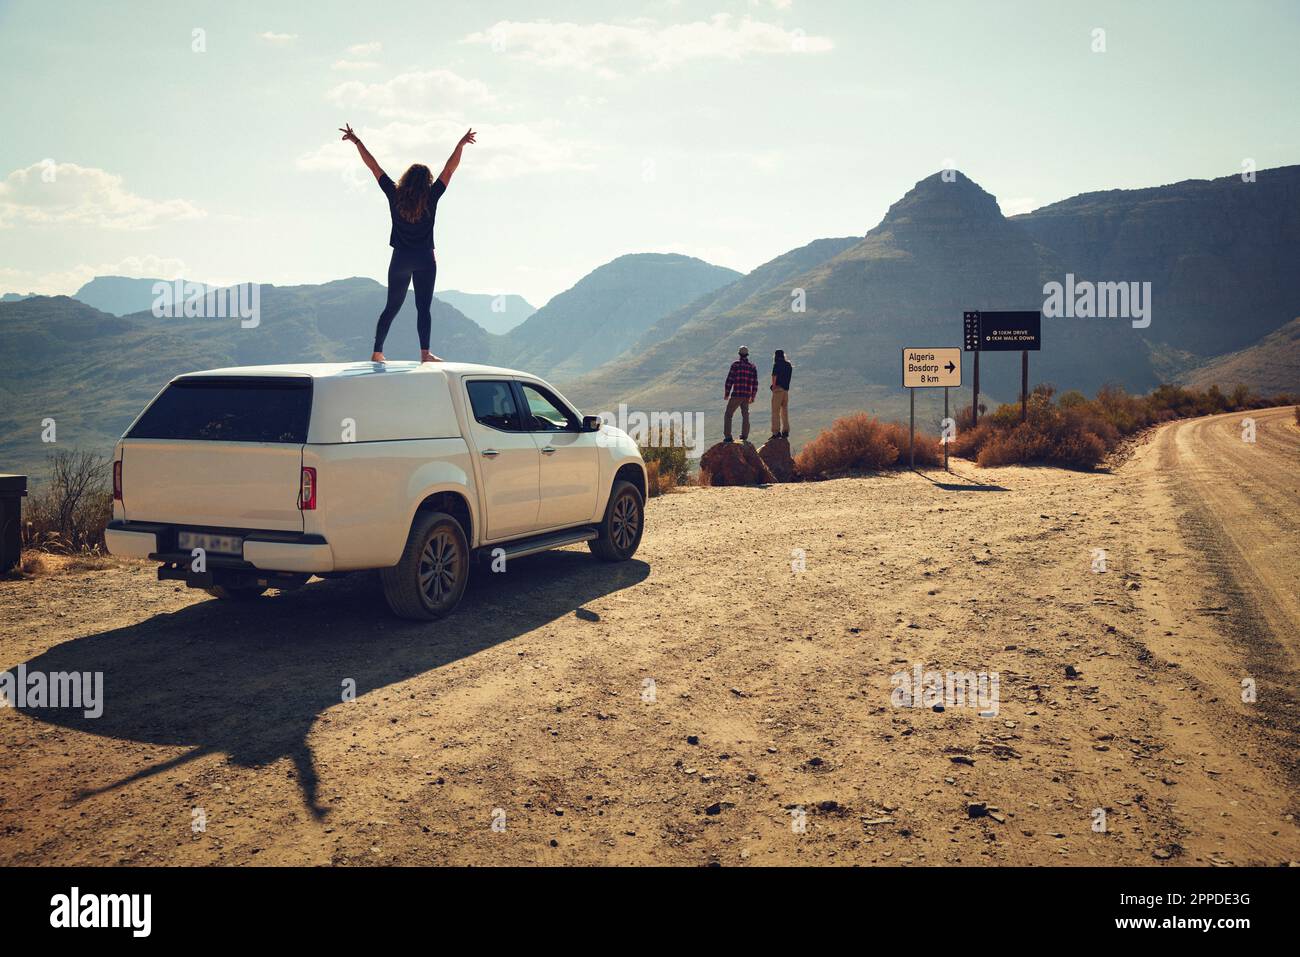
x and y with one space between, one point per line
911 432
945 419
929 369
1024 385
1020 331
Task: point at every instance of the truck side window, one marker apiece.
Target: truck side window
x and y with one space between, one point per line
545 412
494 405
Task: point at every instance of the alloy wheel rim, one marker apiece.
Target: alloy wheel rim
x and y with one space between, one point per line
625 522
439 566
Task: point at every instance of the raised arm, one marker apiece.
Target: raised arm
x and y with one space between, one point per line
454 160
371 163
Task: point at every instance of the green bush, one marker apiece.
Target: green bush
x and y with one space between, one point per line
667 460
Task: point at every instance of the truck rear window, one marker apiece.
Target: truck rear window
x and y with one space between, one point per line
230 409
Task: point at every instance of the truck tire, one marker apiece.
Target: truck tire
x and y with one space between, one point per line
236 592
429 578
620 529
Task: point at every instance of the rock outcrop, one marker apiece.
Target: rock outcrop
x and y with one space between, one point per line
735 463
775 454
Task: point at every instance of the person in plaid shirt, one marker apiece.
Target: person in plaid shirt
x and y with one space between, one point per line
742 387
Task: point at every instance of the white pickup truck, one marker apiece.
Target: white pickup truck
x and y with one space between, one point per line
239 480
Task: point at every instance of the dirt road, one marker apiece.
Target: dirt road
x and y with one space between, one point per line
727 697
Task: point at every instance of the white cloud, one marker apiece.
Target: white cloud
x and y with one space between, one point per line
65 194
503 151
597 46
357 57
412 95
270 37
584 102
67 281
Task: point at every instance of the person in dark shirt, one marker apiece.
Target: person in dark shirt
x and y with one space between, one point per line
781 372
412 206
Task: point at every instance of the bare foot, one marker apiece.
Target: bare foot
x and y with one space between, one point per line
427 356
377 357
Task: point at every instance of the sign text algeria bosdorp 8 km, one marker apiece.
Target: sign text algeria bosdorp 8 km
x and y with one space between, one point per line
933 368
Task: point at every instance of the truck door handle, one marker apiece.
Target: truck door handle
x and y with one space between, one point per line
548 450
491 453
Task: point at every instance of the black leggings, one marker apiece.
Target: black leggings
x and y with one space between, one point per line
407 266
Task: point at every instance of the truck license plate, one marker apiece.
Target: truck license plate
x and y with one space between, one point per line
221 544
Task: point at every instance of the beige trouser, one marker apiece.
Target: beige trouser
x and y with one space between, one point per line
780 411
734 403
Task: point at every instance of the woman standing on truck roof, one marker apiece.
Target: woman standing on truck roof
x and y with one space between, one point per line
412 204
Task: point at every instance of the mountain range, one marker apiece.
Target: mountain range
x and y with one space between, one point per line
1219 255
123 295
496 314
657 331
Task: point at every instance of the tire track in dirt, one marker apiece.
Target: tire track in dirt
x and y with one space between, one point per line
1240 505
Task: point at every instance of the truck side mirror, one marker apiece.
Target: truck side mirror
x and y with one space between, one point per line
592 423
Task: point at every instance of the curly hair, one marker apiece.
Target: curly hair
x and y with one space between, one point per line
413 192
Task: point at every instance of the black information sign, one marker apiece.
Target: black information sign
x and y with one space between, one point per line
1002 331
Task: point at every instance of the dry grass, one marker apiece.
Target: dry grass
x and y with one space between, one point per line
35 563
861 443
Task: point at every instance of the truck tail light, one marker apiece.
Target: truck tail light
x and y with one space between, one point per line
117 480
307 490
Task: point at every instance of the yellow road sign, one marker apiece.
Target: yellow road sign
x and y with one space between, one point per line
931 368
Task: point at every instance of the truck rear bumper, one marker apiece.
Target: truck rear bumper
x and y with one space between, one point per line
265 551
289 556
129 543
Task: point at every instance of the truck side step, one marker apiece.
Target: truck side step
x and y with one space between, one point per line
540 543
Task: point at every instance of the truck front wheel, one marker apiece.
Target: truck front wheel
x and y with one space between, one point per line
430 577
620 529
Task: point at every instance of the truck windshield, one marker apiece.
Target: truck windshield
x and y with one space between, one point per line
229 409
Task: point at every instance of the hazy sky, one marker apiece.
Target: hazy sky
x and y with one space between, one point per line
732 131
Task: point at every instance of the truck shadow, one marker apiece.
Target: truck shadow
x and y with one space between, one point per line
249 680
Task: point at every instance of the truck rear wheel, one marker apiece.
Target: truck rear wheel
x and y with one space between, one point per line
431 575
620 529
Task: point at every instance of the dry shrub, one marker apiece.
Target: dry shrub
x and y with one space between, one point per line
861 443
1077 432
68 513
856 441
968 441
927 450
1027 444
659 482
